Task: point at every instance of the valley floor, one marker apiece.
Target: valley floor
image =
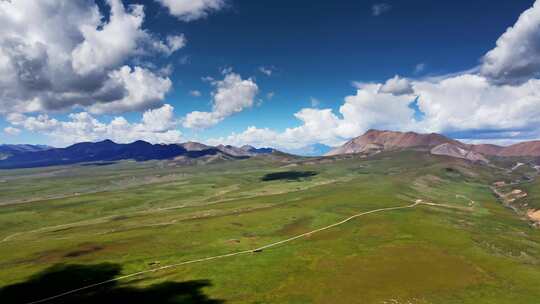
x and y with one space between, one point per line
401 227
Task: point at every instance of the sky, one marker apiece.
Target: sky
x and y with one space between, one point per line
286 74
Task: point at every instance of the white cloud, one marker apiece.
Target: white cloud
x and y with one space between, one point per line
371 108
516 58
12 131
175 42
156 126
195 93
397 86
318 126
107 45
266 70
367 108
232 95
471 102
57 55
144 90
172 44
459 103
189 10
380 8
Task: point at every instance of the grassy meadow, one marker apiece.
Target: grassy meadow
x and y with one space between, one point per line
65 227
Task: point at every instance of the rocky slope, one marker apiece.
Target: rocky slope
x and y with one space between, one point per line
458 151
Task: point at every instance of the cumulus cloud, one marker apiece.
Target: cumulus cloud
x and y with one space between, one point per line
57 55
144 89
367 108
156 126
471 102
516 57
106 45
12 131
189 10
231 95
380 8
397 86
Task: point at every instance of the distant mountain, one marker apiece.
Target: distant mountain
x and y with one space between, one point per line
529 148
374 141
108 150
245 151
10 150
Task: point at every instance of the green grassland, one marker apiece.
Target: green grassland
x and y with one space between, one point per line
139 216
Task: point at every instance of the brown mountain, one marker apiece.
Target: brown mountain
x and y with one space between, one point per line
487 149
527 148
375 140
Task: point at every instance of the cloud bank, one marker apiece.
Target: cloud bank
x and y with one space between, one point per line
61 55
156 126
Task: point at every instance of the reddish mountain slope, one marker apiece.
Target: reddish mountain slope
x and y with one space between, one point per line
374 140
528 148
487 149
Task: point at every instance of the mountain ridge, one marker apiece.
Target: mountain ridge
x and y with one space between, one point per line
385 140
107 150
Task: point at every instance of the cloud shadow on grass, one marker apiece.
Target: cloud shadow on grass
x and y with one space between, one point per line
288 175
61 278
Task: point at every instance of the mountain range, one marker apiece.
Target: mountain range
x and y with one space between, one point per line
107 150
10 150
371 142
374 141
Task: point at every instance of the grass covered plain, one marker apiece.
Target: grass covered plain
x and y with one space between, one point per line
64 227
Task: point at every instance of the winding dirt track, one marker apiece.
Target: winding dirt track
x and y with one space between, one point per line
258 249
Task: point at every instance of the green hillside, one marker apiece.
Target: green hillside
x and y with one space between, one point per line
62 228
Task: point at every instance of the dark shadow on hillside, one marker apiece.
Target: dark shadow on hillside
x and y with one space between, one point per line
288 175
61 278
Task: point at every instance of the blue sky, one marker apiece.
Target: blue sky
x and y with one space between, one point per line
283 73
